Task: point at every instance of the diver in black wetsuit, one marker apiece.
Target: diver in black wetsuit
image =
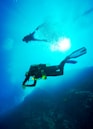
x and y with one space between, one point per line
31 37
42 71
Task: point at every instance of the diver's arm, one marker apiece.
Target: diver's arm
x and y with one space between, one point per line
26 79
31 84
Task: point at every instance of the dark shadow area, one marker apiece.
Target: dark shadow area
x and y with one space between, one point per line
68 108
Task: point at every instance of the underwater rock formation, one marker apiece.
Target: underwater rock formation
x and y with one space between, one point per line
70 107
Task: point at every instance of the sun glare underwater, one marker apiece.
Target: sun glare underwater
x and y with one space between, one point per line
63 44
64 25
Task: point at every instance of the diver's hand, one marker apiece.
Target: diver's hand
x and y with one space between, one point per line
24 86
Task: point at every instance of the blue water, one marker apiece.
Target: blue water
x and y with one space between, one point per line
70 19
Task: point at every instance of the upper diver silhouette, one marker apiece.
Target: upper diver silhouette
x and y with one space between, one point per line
31 36
42 71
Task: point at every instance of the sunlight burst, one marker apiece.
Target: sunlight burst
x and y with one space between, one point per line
63 44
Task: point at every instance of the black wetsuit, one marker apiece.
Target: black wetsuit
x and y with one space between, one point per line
41 69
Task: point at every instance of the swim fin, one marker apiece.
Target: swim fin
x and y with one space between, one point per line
71 61
78 53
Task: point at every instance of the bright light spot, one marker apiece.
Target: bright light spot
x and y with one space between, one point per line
63 44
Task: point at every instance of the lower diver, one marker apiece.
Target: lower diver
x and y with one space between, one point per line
42 71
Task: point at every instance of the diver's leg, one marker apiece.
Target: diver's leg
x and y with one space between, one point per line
53 71
44 40
61 65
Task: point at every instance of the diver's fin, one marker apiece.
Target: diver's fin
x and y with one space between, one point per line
71 61
78 53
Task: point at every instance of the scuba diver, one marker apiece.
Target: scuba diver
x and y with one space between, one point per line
42 71
31 37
